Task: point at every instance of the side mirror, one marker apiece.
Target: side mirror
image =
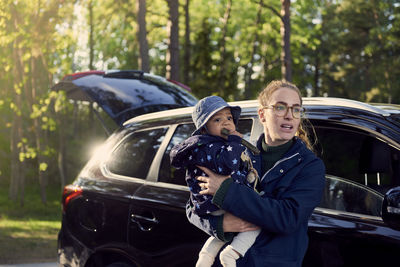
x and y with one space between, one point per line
391 208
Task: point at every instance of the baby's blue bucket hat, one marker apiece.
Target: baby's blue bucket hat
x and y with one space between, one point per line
207 107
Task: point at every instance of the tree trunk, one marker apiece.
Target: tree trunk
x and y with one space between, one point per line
61 155
17 169
31 97
249 69
387 73
186 60
17 173
91 31
222 47
173 47
316 74
286 57
144 63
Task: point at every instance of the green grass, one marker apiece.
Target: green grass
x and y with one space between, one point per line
29 233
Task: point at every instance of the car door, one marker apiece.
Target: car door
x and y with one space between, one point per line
347 229
126 169
158 224
361 165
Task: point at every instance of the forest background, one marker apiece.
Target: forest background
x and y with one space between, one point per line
231 48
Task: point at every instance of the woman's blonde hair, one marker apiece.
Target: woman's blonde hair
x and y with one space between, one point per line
265 96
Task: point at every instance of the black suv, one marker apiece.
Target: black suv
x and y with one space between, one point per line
127 205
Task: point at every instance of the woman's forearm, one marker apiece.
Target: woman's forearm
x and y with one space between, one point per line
278 214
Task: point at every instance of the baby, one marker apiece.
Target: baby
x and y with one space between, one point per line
217 145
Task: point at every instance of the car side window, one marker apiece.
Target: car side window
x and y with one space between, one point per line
134 154
172 175
244 127
167 173
344 195
359 157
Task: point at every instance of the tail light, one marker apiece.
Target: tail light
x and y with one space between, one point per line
70 192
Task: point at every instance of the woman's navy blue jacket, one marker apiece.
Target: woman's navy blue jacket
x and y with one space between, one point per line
222 156
290 191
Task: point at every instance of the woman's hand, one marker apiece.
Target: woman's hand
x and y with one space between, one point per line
210 184
232 223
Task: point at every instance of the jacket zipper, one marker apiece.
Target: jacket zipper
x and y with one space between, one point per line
279 162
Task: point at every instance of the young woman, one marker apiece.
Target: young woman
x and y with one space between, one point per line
291 186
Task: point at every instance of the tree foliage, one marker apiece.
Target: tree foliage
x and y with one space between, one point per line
341 48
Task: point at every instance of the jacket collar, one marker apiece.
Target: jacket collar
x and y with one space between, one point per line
291 158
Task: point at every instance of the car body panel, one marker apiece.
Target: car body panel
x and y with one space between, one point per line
158 213
350 240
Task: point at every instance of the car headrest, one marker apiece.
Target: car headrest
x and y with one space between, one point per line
375 157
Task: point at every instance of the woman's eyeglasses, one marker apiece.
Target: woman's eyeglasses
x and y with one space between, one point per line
281 110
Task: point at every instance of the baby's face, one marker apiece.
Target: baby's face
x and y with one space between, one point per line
220 120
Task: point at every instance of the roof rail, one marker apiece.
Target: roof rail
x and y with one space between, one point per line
343 102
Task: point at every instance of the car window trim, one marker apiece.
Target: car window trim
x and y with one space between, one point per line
107 173
256 129
169 186
144 182
340 213
371 132
152 175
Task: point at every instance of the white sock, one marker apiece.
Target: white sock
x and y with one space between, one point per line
228 257
209 252
205 259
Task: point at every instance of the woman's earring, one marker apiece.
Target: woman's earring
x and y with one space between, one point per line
261 115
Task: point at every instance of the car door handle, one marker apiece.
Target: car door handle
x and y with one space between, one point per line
145 223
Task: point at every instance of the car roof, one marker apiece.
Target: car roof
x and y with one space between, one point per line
348 103
310 103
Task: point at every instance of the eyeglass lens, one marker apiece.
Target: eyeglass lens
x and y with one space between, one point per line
282 109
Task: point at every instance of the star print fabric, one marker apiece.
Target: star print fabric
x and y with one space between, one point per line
217 154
